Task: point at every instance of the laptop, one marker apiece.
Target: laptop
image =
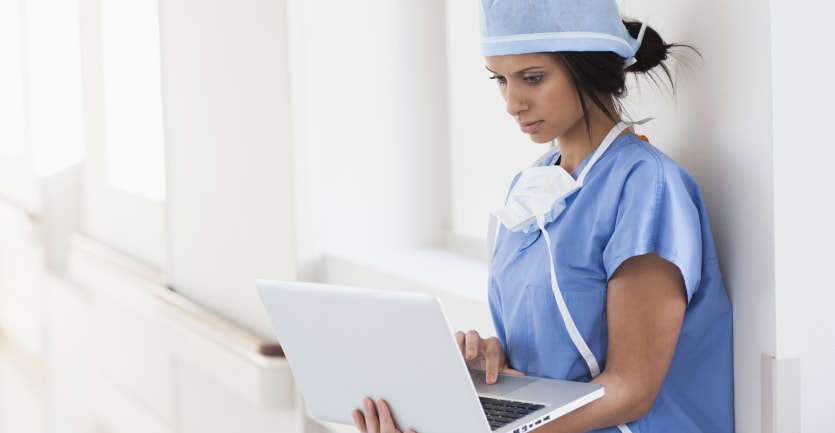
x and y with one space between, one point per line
347 343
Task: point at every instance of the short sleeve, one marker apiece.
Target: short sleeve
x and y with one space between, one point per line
658 213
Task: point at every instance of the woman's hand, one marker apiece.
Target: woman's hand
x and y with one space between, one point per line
485 355
376 418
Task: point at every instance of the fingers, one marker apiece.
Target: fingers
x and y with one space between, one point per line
386 421
483 354
468 344
513 372
359 421
372 422
494 359
460 337
376 418
472 345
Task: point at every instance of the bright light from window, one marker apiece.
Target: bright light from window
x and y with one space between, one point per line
54 73
133 97
11 82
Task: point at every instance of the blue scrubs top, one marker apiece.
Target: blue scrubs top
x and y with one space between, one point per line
635 200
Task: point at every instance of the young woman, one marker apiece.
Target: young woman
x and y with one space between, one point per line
603 266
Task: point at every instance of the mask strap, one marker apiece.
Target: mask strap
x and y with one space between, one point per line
624 428
570 326
492 237
643 121
610 138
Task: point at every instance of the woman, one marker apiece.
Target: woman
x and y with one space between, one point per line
604 267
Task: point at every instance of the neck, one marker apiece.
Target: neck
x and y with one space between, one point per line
579 143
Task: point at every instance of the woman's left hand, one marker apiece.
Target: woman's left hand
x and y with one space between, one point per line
376 418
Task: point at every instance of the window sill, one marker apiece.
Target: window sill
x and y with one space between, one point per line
437 270
459 282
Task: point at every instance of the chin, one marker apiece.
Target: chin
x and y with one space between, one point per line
542 139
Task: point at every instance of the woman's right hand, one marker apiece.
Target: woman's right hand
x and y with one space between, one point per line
486 355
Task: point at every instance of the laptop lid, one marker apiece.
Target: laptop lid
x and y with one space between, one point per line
347 343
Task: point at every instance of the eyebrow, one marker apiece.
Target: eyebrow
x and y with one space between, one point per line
528 69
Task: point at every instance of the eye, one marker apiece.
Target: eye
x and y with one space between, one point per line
499 79
533 79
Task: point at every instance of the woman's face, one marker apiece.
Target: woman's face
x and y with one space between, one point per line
540 95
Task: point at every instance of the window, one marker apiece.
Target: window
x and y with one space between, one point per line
133 97
11 81
54 83
124 180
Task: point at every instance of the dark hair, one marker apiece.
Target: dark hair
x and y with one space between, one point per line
597 73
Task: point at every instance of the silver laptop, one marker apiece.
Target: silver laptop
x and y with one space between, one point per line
347 343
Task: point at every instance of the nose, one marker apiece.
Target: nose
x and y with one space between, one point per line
515 100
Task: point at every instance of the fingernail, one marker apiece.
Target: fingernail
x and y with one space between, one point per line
491 378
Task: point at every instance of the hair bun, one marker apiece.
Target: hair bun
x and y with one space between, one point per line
653 50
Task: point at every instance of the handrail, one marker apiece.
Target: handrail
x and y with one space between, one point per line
221 327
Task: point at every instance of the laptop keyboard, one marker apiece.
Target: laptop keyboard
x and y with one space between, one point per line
502 412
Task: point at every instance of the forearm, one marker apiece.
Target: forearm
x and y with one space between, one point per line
621 403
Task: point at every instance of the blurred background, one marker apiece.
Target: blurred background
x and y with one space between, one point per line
156 157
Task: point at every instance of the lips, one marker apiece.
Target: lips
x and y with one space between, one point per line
530 127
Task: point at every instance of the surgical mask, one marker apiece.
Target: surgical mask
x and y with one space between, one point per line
540 192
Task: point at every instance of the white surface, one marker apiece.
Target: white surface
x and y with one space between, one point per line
133 97
28 403
803 200
373 122
53 84
227 132
781 408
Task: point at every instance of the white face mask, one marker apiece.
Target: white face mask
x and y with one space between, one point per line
540 192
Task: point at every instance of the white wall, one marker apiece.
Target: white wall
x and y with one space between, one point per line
21 279
371 108
803 199
229 158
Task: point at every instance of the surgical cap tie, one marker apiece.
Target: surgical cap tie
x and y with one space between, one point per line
640 39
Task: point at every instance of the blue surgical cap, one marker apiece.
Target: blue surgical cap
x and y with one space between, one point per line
537 26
